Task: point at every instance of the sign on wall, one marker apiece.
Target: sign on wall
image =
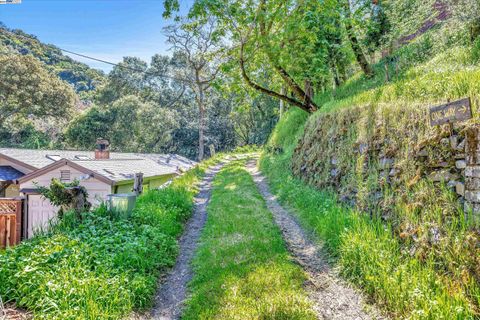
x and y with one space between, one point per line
451 112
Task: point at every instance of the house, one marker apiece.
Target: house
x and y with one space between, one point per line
101 172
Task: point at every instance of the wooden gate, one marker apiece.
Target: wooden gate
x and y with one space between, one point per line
10 222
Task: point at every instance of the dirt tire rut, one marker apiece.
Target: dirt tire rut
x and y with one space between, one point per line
332 298
173 288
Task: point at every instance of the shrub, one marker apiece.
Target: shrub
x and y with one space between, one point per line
98 266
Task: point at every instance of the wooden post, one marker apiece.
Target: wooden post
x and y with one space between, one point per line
138 183
8 234
212 150
18 213
3 230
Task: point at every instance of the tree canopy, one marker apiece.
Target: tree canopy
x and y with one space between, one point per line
234 68
28 90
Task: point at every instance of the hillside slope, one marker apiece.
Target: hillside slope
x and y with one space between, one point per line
384 189
83 78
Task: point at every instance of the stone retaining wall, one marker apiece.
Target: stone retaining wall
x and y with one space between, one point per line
471 186
373 158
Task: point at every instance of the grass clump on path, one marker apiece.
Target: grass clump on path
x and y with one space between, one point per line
242 268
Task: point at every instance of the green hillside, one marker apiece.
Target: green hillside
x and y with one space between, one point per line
343 197
372 178
83 78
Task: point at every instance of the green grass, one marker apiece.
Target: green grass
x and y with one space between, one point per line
451 74
369 255
242 269
421 222
367 251
101 267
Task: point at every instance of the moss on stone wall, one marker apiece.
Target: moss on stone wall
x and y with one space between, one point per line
387 161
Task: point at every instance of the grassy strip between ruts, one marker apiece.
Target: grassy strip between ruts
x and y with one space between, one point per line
101 267
242 269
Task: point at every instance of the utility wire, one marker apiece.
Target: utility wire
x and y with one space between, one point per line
121 66
99 60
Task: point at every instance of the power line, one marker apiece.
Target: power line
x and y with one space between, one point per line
101 60
121 66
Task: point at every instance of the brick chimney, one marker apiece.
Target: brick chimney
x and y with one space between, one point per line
101 150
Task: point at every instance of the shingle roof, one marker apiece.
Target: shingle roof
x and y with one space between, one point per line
7 173
120 170
120 166
174 160
42 158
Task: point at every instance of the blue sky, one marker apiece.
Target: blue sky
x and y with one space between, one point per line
105 29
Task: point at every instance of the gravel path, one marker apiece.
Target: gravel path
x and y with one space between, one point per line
173 289
332 298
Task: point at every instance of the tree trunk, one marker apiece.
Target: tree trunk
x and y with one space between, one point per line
300 95
336 78
387 75
342 73
304 104
309 89
201 126
298 92
357 49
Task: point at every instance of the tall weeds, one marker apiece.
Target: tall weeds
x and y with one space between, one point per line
100 267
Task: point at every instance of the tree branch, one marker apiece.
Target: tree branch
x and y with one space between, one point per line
269 92
308 103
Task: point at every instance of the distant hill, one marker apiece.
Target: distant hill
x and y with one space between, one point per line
83 78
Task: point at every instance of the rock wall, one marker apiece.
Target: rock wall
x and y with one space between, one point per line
378 159
471 171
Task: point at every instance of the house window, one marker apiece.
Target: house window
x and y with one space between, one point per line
65 175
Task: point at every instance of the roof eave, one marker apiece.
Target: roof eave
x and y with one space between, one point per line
63 162
20 163
127 181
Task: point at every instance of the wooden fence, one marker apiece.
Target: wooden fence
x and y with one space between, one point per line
10 222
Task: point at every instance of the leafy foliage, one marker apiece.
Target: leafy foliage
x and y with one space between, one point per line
67 196
33 102
99 266
199 46
27 90
152 100
128 123
83 78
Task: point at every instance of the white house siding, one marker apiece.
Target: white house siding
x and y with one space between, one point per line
97 190
40 210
